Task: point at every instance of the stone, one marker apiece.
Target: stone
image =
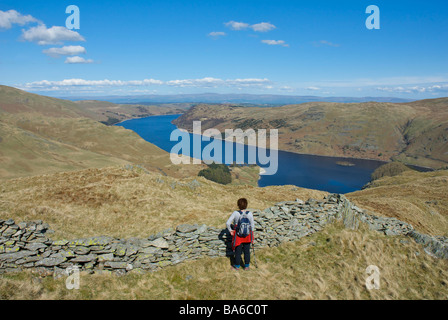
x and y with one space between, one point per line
119 249
159 243
81 250
23 225
106 257
51 261
201 229
84 258
151 250
131 250
93 241
13 256
67 253
9 222
186 228
9 232
60 242
35 246
116 265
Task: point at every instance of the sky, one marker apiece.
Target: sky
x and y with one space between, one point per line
319 48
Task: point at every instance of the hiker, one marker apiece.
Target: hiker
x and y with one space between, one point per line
241 226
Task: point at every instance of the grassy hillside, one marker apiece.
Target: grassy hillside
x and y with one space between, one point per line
41 135
419 198
111 113
330 264
327 265
81 177
96 201
416 133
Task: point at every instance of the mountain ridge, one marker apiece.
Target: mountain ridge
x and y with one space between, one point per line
415 133
41 134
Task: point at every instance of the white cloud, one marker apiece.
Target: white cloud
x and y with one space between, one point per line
237 25
207 82
78 60
258 27
54 35
65 51
415 89
216 34
90 83
262 27
8 18
313 88
275 43
326 43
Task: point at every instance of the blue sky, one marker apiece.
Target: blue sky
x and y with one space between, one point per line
264 47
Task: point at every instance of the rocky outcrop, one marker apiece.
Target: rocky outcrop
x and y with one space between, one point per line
26 244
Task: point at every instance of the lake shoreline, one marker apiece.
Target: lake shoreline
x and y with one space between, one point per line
342 158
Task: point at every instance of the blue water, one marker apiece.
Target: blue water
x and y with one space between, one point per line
307 171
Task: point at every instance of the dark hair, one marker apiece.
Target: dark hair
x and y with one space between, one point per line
242 203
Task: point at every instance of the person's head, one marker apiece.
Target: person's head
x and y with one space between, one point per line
242 203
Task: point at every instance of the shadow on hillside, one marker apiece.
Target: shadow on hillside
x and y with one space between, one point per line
226 238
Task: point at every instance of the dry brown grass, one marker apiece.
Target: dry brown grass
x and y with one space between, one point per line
328 265
420 199
129 203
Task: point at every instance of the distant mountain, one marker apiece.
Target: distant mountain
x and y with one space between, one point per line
268 99
111 113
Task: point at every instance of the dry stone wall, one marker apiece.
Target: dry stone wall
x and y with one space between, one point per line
27 245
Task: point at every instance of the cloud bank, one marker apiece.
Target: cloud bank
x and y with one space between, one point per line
11 17
207 82
65 51
258 27
275 43
54 35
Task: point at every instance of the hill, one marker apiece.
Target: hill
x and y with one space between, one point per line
42 135
329 264
111 113
242 98
415 133
418 198
93 201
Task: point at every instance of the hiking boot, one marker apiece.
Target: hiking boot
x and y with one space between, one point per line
246 268
235 268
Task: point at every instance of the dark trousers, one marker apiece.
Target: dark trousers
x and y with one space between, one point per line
244 247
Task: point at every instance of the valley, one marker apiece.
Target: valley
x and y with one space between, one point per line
415 133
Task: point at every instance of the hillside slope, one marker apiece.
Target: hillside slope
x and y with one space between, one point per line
111 113
413 132
92 202
418 198
40 134
128 202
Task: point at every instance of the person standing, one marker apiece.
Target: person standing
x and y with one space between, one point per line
241 226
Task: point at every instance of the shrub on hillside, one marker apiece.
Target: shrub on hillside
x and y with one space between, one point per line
389 170
219 173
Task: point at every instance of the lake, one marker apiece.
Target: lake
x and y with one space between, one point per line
307 171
